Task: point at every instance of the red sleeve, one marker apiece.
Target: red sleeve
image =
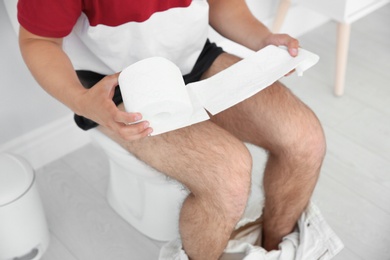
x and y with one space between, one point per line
49 18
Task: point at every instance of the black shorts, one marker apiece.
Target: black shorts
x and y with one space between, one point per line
88 79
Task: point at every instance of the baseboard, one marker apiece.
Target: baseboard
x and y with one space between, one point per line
48 143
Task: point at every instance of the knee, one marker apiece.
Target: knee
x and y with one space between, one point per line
311 145
305 141
236 189
227 187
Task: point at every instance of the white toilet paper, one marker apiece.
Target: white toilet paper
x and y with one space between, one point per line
249 76
155 88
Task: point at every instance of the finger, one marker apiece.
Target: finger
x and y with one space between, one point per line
135 131
126 117
291 43
141 135
110 82
134 128
293 46
112 79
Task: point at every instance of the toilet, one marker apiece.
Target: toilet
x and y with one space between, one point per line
144 197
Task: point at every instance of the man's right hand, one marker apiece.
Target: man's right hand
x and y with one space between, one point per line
54 71
96 104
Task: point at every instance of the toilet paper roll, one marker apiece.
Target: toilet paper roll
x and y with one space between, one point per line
155 88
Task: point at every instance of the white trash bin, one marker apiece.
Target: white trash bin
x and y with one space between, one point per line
24 233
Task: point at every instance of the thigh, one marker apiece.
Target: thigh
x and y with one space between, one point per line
197 156
267 117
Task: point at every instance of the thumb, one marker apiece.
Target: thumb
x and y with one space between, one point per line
110 83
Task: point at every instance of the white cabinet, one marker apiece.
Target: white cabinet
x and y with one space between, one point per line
344 12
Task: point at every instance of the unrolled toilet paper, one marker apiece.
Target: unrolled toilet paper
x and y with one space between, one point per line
155 87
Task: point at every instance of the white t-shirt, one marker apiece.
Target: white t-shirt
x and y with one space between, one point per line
106 36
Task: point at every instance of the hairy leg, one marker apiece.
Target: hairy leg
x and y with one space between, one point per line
276 120
215 166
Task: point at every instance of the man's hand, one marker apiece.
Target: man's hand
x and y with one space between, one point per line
98 106
291 43
53 70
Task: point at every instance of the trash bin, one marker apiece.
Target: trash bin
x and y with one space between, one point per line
24 233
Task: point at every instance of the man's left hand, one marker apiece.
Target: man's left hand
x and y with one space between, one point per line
291 43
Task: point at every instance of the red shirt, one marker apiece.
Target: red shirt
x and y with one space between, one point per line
106 36
56 18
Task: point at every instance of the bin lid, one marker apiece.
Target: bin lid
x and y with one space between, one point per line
16 177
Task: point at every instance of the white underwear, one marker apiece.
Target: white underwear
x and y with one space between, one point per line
313 239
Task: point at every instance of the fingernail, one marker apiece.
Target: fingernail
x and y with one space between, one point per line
137 117
294 51
146 124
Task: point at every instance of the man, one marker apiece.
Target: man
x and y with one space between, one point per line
210 158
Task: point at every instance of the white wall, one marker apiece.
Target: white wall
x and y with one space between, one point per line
39 128
32 124
24 105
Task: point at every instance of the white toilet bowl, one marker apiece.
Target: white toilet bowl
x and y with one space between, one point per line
144 197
